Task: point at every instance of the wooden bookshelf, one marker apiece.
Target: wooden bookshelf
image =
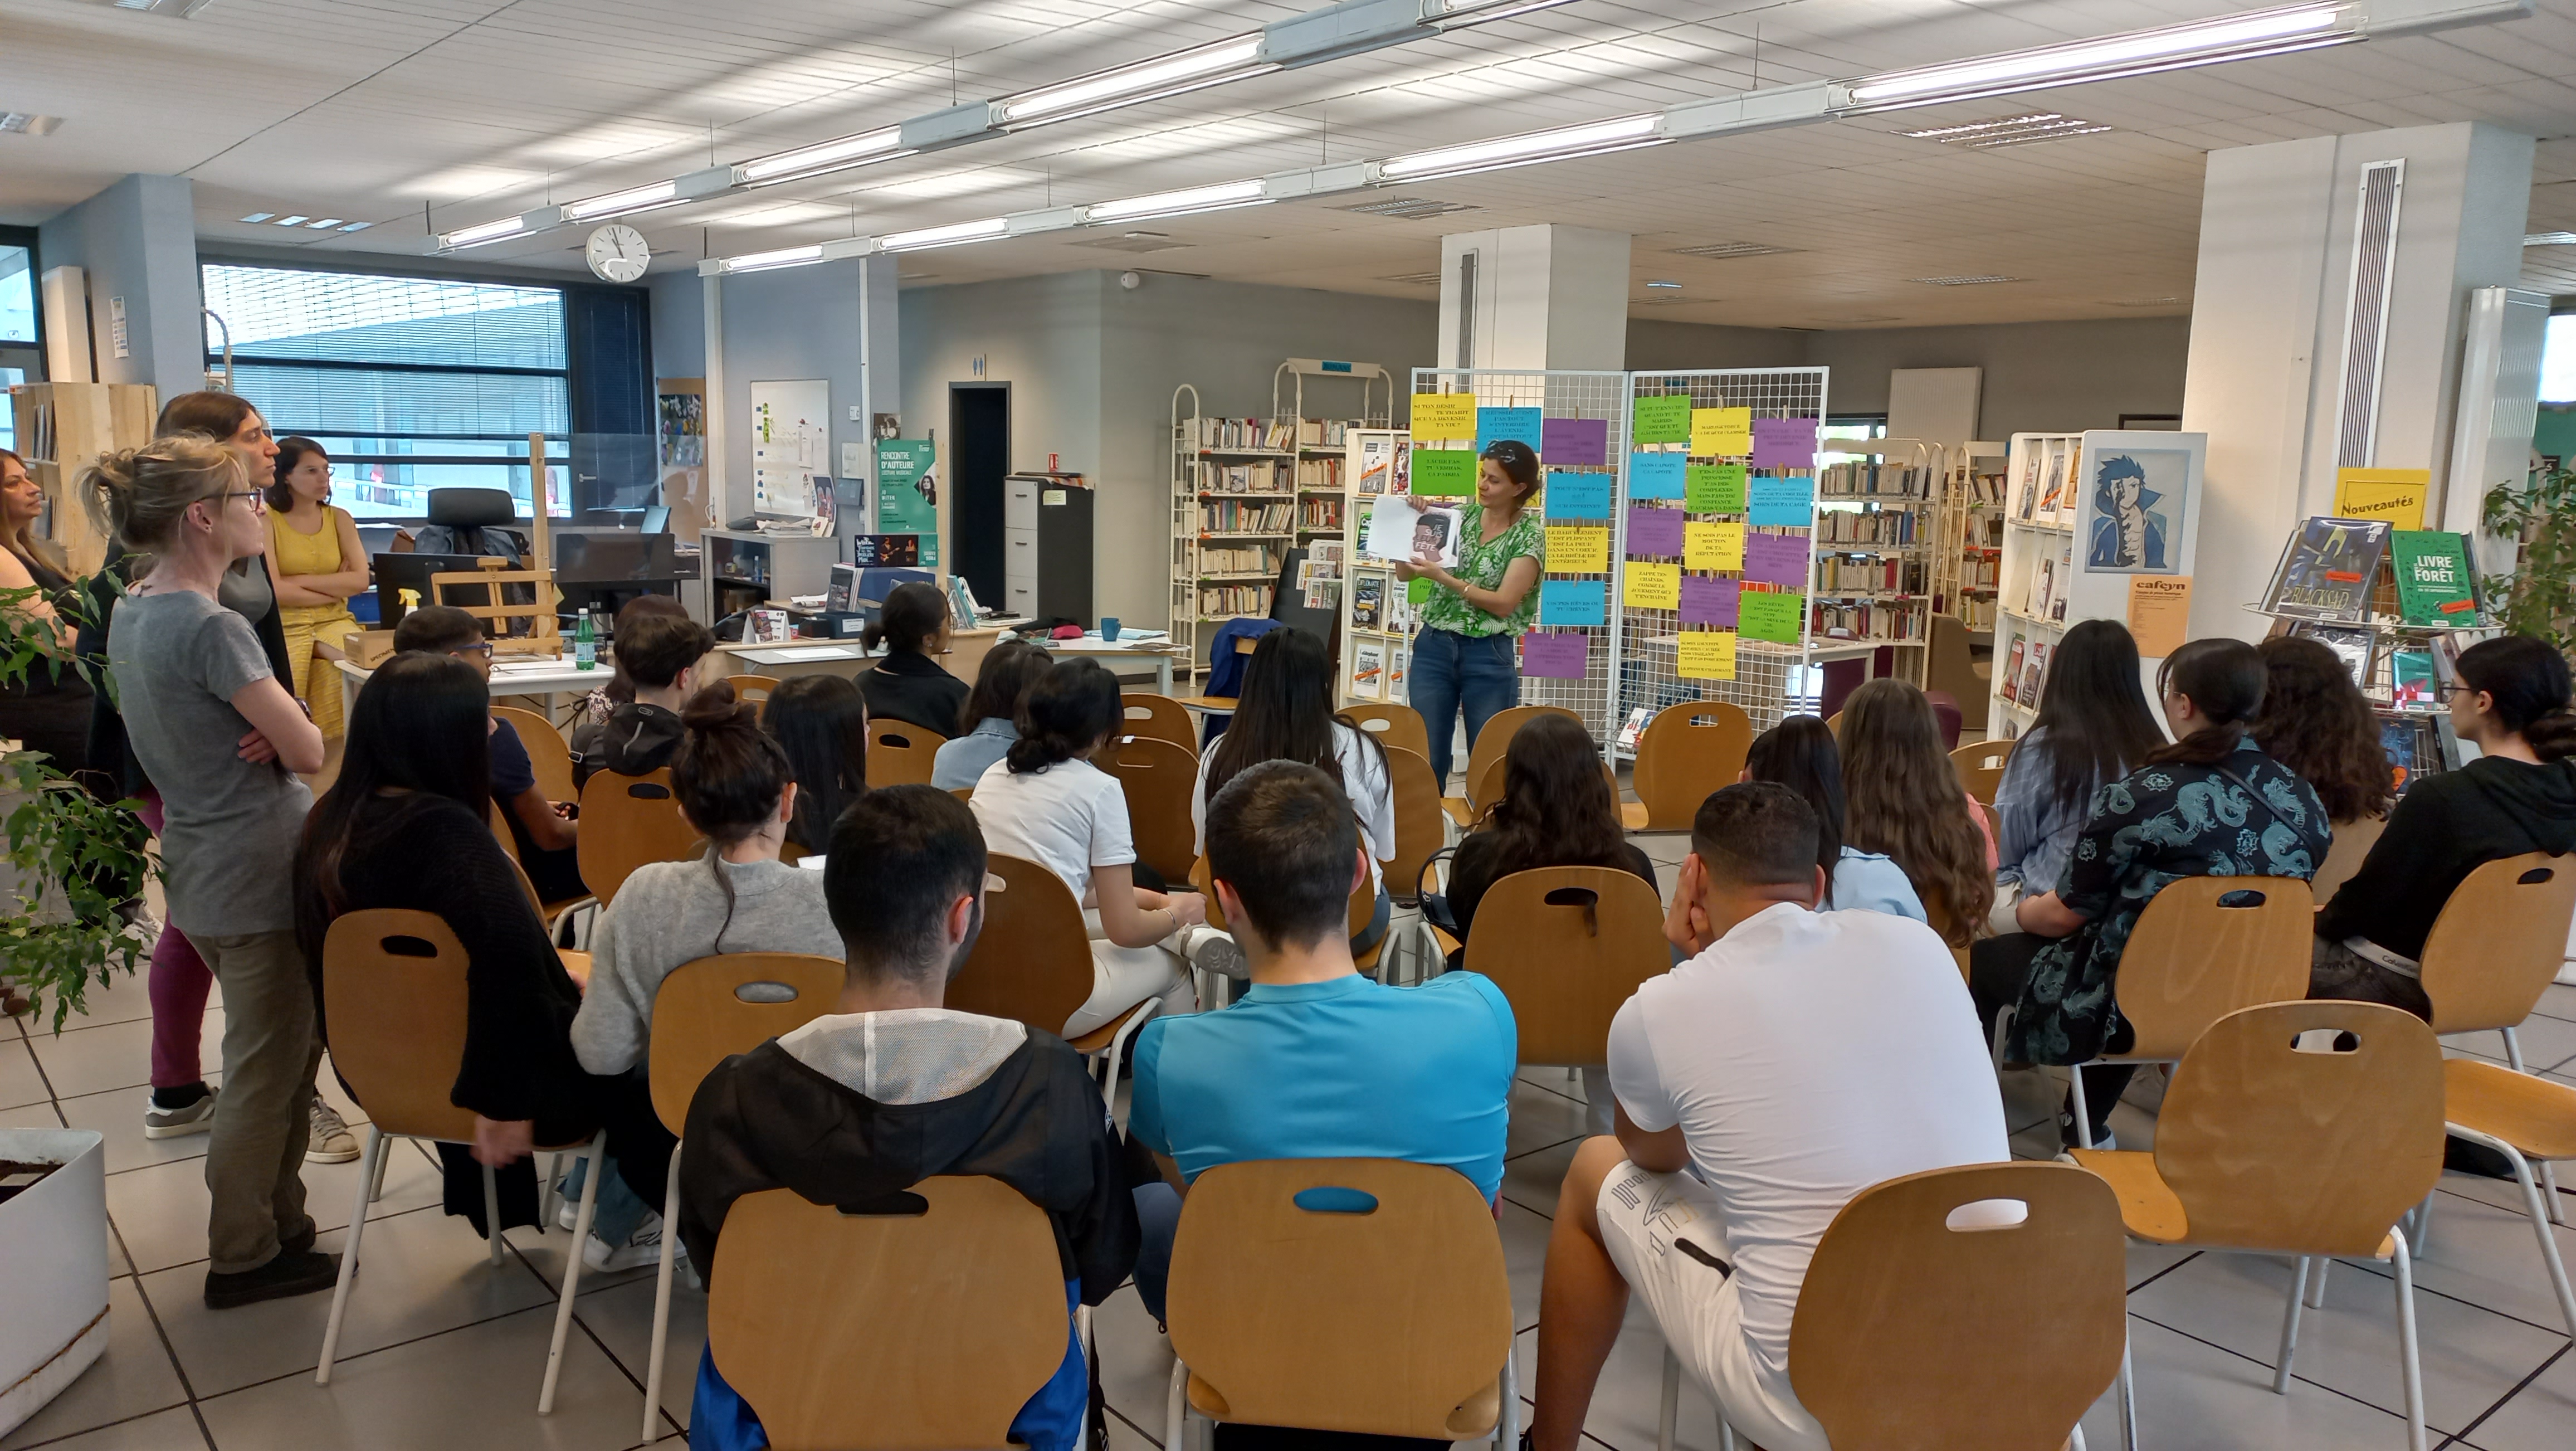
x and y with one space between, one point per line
62 429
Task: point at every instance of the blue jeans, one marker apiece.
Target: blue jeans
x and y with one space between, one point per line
1451 671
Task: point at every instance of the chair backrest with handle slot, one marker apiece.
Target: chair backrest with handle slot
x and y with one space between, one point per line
1033 962
900 753
629 822
1568 945
2207 946
1688 751
393 992
1158 717
711 1008
2499 942
1157 778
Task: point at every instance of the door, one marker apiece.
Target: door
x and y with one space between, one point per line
978 455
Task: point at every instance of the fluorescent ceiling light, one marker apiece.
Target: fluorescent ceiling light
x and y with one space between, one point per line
1174 203
1462 13
618 203
2550 239
357 226
946 236
1663 284
324 225
783 257
841 152
1205 65
28 123
1591 138
476 236
294 221
2235 37
259 216
1986 128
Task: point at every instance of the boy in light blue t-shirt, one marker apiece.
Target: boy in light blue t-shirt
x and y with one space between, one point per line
1315 1061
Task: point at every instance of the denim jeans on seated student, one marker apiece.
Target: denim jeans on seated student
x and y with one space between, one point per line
619 1212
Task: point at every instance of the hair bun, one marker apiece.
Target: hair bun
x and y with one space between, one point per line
715 708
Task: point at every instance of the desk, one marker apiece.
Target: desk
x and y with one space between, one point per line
1160 652
965 657
519 675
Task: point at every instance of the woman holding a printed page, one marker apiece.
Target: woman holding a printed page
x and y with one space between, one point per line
1481 604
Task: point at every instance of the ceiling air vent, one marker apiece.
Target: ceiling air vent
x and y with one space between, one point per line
27 123
175 9
1723 251
1409 208
1134 242
2009 131
1979 279
1415 279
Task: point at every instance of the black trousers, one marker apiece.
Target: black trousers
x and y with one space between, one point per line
1998 970
580 1104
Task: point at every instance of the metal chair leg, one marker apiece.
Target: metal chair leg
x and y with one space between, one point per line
2317 1283
661 1300
1507 1422
1669 1410
2003 1027
492 1213
2083 1113
597 1157
2421 1236
2513 1050
376 1142
2549 1181
2128 1396
2290 1330
1176 1408
2531 1199
2406 1342
376 1180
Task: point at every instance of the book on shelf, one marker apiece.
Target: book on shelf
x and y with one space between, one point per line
1368 600
2065 582
1225 601
2351 645
2410 676
1869 620
2043 586
1397 657
1632 728
1238 516
2034 672
1873 481
1238 559
1268 477
1368 669
2011 676
2026 498
2436 580
2327 569
2413 745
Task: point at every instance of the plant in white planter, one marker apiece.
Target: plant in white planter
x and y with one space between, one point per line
53 1279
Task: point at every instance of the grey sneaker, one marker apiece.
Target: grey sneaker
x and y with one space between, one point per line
1216 952
330 1141
643 1247
171 1123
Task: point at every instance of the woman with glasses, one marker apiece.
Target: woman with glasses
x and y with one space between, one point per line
318 564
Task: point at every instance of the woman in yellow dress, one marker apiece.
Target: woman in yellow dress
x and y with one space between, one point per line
314 553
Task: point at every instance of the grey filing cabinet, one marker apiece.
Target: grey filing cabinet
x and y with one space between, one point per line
1046 546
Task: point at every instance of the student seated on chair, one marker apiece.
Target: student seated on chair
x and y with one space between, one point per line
822 725
544 831
733 786
595 708
1800 753
408 825
1903 799
1286 714
2511 700
661 657
1045 802
1315 1061
1557 809
908 683
2209 805
890 1089
1797 1059
989 721
2093 728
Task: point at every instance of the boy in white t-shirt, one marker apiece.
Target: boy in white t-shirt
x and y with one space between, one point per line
1797 1059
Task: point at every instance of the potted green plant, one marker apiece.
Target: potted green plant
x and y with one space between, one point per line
2536 595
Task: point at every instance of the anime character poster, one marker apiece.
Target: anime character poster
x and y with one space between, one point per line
2138 501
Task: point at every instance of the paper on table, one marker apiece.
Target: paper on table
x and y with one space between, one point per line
1399 529
1654 587
1784 442
1444 417
1578 549
1708 601
1714 488
1706 655
1776 617
2159 613
1721 432
1653 531
1444 471
1665 419
1572 602
1576 496
1574 440
1713 546
1776 559
1655 475
1493 425
1548 656
1787 502
792 657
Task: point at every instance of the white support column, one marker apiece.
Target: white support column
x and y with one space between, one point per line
1534 297
719 412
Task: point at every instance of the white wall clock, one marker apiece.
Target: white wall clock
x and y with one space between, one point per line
617 253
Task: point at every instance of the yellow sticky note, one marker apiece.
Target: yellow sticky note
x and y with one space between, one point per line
1578 549
1720 433
1713 546
1444 417
1707 654
1653 586
2396 495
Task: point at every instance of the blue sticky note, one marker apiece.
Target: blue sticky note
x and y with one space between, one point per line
1519 424
1573 602
1656 475
1577 496
1789 502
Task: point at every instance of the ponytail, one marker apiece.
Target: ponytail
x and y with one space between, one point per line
728 777
2527 682
2223 679
138 495
1072 708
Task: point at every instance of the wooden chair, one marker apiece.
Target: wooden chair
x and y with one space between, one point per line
2352 843
2004 1334
2266 1147
1981 767
2193 959
1158 778
754 689
1397 727
1395 1320
1363 908
1568 945
900 753
1687 751
1489 789
509 842
1161 718
798 1319
700 1018
1033 964
546 751
394 983
629 822
1489 748
1421 829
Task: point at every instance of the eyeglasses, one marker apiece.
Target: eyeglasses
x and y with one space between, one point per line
259 499
484 649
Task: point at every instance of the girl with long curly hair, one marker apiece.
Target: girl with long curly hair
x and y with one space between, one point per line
1903 800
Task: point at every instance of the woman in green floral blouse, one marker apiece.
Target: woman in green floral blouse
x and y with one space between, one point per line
1462 655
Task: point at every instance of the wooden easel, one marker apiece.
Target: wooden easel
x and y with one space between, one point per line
543 639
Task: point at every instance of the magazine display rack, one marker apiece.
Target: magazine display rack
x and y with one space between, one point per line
1377 613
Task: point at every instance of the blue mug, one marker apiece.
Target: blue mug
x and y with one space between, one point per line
1109 628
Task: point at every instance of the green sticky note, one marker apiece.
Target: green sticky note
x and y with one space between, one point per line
1418 592
1713 488
1444 471
1772 615
1661 420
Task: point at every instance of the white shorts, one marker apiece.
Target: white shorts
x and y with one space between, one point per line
1643 1217
1122 977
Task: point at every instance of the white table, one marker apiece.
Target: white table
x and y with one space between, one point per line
1161 652
511 675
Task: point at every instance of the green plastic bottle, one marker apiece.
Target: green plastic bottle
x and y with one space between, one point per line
585 643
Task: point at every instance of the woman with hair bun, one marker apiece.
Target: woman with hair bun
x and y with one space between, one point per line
737 790
1462 655
314 553
2519 795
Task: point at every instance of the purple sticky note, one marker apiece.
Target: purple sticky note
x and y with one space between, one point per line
1776 559
1551 655
1708 601
1654 532
1570 442
1784 442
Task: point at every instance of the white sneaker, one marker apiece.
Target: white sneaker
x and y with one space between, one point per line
1212 951
567 1210
330 1141
171 1123
643 1247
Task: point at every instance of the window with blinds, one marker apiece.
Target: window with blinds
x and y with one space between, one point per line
411 384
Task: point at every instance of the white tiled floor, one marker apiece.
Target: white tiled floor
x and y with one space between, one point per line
443 1351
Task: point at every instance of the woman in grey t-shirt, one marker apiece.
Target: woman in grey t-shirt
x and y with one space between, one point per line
211 725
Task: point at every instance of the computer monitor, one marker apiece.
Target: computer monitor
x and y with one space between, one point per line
657 518
398 572
615 556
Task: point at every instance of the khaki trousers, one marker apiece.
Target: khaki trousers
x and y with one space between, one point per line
255 1156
